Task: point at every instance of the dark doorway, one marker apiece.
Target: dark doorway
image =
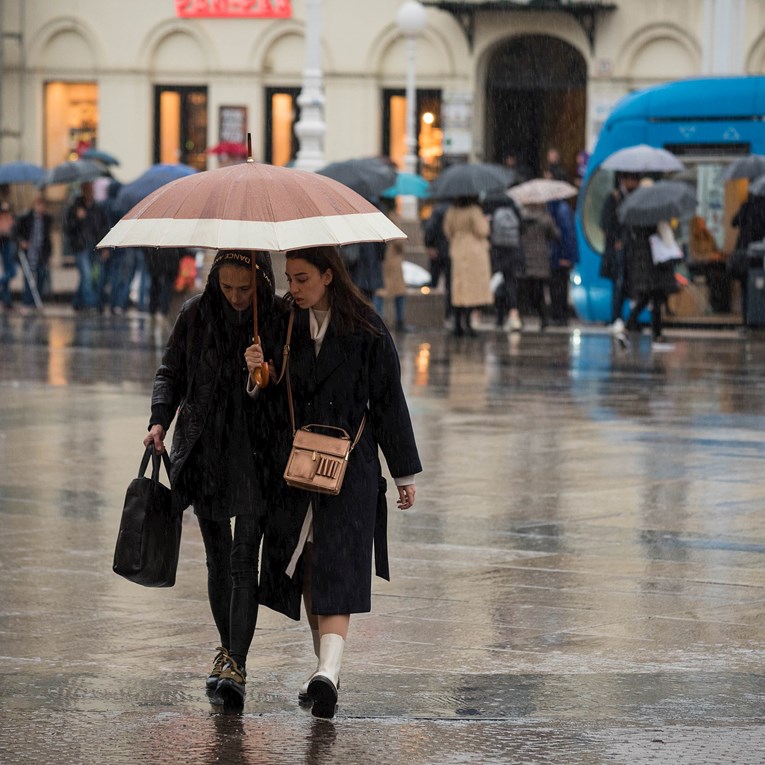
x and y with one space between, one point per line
536 100
180 125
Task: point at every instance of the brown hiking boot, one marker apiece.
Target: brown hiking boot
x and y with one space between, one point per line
230 688
220 661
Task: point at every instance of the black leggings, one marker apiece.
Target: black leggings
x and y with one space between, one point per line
232 580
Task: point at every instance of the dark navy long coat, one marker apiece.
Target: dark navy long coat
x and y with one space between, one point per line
353 374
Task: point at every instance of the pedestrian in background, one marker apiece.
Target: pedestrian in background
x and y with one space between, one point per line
437 247
394 286
564 255
537 232
506 259
650 282
7 252
33 231
750 222
162 265
85 224
612 262
344 372
467 229
220 452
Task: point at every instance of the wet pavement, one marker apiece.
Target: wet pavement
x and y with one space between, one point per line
581 580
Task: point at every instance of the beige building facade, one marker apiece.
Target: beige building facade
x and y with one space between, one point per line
147 82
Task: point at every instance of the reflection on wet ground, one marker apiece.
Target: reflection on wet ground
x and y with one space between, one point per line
581 581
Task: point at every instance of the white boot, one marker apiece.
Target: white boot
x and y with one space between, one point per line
322 687
303 696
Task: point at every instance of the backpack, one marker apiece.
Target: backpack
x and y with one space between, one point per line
505 228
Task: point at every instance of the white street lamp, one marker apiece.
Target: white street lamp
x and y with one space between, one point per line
411 19
311 128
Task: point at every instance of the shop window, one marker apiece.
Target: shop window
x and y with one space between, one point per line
282 112
429 133
71 120
180 125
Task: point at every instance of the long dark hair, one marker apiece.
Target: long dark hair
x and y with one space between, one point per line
243 259
350 310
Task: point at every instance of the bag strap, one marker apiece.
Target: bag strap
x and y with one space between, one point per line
155 463
289 389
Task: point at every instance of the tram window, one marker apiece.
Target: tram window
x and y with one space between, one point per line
598 187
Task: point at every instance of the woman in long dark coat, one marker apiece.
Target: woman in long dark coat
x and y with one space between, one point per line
650 283
343 365
220 457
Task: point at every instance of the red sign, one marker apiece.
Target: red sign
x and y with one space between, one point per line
233 9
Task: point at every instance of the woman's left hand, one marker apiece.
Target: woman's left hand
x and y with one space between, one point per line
406 496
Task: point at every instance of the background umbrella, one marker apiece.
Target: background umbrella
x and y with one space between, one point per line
408 184
648 205
750 167
757 186
22 172
100 156
368 177
154 178
252 206
542 190
79 171
471 180
643 158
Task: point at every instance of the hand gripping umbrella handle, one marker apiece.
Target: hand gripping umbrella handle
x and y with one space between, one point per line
260 375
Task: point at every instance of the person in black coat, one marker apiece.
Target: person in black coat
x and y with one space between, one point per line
612 263
33 230
651 282
220 455
343 370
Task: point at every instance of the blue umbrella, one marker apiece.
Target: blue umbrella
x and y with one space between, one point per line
100 156
408 184
22 172
155 177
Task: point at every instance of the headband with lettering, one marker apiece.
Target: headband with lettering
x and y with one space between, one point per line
238 256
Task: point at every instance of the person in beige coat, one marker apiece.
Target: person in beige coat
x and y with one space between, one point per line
394 285
467 229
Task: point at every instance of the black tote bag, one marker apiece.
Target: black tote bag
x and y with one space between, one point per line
150 529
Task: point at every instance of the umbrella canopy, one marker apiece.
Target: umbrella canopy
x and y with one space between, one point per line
154 178
368 177
643 158
415 275
22 172
100 156
648 205
541 190
750 167
408 184
252 206
79 171
471 180
756 187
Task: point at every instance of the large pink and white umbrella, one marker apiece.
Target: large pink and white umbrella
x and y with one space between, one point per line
252 206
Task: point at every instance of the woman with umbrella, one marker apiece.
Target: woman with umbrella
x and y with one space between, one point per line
220 459
467 229
343 371
650 247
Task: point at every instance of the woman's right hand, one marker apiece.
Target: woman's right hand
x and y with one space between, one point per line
156 436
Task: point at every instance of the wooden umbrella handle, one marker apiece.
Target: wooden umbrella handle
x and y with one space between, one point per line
260 375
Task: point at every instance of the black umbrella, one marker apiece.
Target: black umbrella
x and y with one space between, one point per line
79 171
471 180
750 167
648 205
368 177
